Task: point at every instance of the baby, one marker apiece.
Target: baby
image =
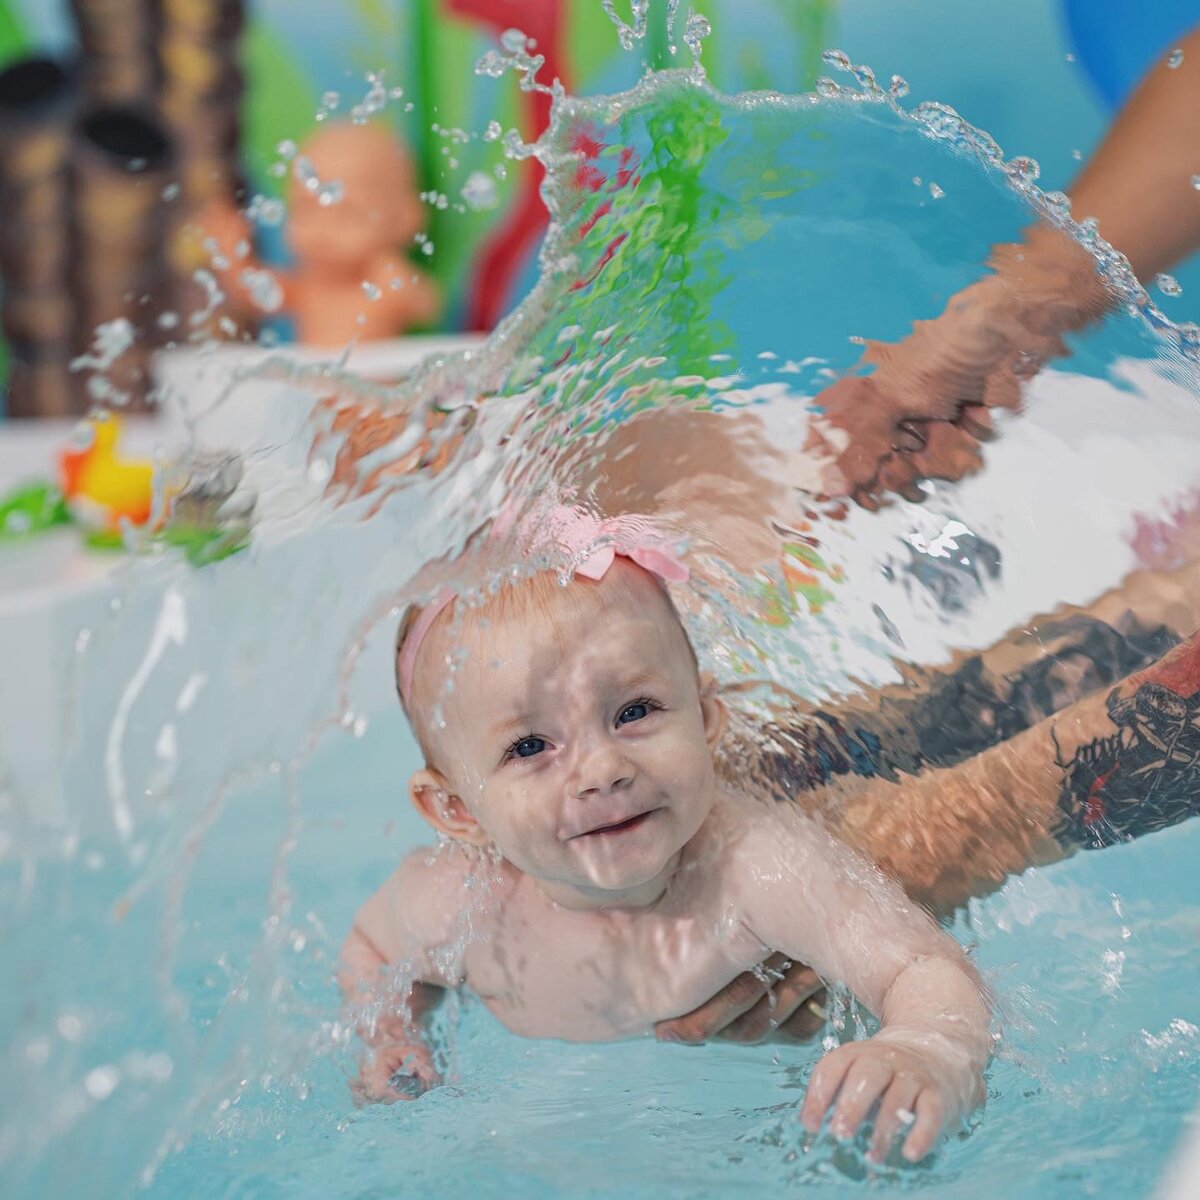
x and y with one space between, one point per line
574 749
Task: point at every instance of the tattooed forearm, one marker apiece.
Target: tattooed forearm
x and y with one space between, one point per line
941 718
1143 777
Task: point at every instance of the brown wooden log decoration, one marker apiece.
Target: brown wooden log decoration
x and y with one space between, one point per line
117 39
121 164
200 99
36 316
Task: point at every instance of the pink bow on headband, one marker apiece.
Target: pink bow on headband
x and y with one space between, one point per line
591 544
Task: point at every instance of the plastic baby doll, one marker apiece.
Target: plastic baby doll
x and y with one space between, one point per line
351 278
574 748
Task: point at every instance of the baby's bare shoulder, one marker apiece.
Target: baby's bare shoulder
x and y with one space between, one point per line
419 905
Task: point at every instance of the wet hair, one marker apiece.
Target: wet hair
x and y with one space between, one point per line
539 593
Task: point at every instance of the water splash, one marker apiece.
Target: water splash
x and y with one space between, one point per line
676 258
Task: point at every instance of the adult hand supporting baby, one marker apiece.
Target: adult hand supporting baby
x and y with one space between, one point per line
781 999
926 406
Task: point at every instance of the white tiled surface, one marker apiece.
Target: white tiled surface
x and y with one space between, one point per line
52 588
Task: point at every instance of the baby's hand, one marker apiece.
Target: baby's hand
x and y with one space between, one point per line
912 1092
395 1071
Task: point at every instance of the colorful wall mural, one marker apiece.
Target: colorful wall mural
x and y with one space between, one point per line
122 120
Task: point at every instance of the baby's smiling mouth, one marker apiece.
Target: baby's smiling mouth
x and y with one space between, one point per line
616 827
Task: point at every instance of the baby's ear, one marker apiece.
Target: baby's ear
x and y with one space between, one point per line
712 709
430 794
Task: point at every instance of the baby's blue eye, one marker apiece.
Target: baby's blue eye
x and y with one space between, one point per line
528 747
634 712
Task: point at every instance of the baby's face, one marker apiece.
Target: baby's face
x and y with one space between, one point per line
579 739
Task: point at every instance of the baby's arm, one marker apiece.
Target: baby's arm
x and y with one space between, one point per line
392 969
817 900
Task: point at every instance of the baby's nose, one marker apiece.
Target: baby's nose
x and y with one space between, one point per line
602 770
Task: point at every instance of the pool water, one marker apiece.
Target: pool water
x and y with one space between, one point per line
1095 960
233 784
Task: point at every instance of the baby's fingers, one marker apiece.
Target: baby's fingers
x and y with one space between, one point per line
930 1113
896 1109
826 1078
865 1082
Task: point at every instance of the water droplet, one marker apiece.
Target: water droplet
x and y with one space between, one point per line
373 102
1059 202
371 290
492 64
171 192
493 132
159 1066
101 1082
265 290
936 192
333 192
695 30
1175 58
329 105
1077 155
287 149
37 1050
480 192
1196 182
1168 285
515 41
264 210
70 1027
838 59
1024 168
898 87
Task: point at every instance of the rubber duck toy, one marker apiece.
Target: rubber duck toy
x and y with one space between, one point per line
102 490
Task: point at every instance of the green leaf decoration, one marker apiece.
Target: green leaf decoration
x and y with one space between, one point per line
31 508
281 101
14 41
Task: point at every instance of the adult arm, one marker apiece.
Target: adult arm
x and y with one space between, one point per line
926 406
928 828
1102 771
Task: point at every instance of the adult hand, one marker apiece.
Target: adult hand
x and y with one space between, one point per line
926 406
781 998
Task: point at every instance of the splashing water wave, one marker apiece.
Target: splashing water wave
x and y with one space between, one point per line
177 882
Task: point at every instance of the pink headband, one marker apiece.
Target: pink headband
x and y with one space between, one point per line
592 544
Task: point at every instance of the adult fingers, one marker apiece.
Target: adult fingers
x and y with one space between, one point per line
808 1020
726 1006
787 999
895 1111
930 1112
826 1078
865 1082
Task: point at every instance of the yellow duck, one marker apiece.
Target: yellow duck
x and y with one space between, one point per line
100 488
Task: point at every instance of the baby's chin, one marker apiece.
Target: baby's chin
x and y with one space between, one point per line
628 860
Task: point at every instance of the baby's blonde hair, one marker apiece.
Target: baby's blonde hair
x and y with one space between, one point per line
538 593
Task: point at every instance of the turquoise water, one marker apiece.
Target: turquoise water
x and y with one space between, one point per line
1097 1068
171 927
